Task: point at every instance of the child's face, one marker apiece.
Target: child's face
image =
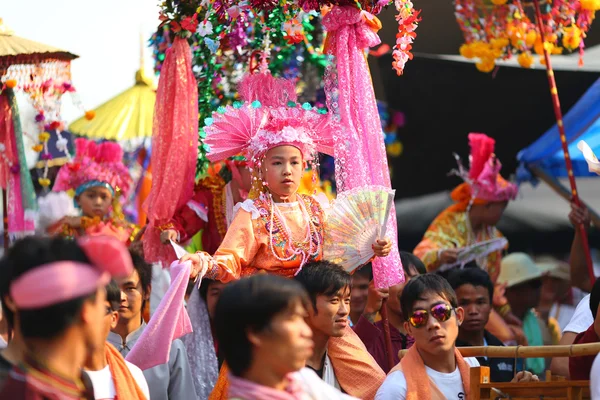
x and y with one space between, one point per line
95 202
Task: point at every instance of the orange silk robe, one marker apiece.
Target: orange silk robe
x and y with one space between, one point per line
450 230
247 249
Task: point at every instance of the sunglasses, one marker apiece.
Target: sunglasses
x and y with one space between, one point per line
442 312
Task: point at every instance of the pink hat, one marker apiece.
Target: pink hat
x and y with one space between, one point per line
94 165
484 175
269 118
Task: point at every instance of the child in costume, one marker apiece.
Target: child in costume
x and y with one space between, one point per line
278 230
479 204
99 178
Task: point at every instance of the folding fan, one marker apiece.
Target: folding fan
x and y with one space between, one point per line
356 220
590 157
475 251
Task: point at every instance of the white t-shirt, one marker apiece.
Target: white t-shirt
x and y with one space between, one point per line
104 387
582 318
394 387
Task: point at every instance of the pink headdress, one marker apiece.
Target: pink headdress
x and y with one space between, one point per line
270 117
94 165
484 175
61 281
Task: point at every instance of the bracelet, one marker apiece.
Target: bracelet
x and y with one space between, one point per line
505 309
166 227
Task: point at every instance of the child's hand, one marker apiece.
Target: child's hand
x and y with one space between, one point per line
73 222
382 247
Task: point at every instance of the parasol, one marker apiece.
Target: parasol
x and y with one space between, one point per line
30 66
124 118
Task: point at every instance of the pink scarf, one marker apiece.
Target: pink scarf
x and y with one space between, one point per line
174 146
243 389
360 155
170 321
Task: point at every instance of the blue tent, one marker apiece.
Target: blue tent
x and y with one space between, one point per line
582 122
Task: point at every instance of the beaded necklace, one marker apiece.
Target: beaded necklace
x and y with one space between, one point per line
304 248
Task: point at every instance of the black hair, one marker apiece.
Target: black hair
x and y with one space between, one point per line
471 276
322 278
249 305
595 298
422 284
113 295
204 288
409 259
27 254
143 269
366 271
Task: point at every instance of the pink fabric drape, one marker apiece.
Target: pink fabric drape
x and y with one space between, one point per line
174 146
360 151
10 181
170 321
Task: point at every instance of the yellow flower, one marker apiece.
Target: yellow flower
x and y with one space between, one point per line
499 43
44 182
486 65
466 50
44 136
530 38
395 149
525 60
571 37
499 2
38 148
592 5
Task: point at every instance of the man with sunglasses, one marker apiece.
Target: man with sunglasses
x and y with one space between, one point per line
432 368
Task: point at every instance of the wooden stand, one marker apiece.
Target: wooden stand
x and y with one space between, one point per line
482 388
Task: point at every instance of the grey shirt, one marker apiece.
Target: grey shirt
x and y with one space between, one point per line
170 381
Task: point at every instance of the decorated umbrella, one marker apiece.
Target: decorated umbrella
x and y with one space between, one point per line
42 72
501 29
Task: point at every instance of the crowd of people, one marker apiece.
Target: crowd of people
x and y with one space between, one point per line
89 313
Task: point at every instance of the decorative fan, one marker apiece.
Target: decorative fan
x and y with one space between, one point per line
357 219
478 250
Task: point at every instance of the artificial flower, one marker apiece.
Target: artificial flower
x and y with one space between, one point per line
190 23
525 60
572 37
499 2
590 5
90 115
205 28
11 83
37 148
43 137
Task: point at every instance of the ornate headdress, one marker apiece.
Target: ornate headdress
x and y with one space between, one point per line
94 165
483 178
269 117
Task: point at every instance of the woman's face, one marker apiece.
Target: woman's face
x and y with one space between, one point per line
282 170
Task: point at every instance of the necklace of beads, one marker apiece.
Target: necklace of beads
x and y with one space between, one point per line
302 248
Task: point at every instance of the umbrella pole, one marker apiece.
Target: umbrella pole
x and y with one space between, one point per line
563 136
387 335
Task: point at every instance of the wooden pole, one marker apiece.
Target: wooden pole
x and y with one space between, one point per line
574 350
563 136
387 335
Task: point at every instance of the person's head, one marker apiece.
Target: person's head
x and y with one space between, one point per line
135 289
412 267
21 268
328 287
431 312
95 201
360 289
474 291
490 212
261 319
210 291
595 298
523 279
112 304
282 170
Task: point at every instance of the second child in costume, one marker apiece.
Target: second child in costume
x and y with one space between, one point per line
98 177
479 203
277 230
